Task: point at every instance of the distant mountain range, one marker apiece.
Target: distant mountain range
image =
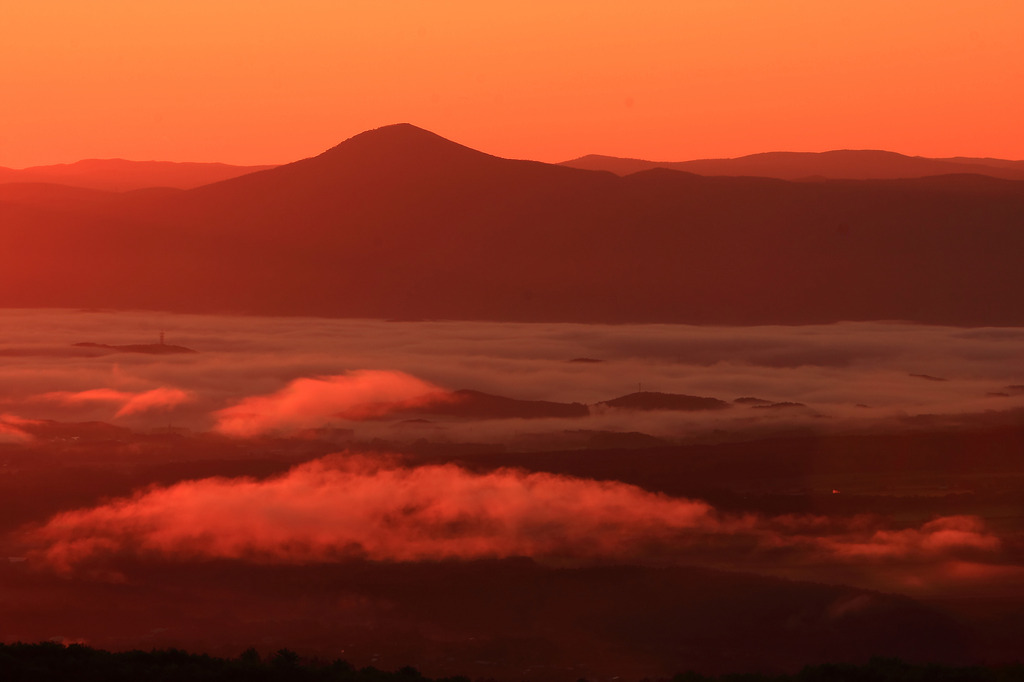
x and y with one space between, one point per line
849 164
400 223
119 175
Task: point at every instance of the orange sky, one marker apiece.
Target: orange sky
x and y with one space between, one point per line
272 81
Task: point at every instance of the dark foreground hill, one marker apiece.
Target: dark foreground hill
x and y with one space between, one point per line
49 660
508 619
398 222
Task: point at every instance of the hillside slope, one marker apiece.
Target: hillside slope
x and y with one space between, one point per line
398 222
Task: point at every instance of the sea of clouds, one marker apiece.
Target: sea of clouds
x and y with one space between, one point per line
255 375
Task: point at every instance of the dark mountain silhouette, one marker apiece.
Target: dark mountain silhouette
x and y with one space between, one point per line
53 660
400 223
782 405
147 348
120 175
851 164
472 404
52 196
650 400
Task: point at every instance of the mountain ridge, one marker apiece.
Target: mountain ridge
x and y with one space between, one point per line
396 141
853 164
122 175
400 223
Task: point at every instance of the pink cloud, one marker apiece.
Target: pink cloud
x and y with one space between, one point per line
15 420
10 429
158 398
942 536
341 507
130 403
311 402
105 395
329 509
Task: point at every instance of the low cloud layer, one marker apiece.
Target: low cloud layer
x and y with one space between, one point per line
129 403
949 533
340 507
850 374
11 431
336 508
314 402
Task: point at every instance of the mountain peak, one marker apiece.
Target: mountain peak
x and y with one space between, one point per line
405 141
398 132
383 157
